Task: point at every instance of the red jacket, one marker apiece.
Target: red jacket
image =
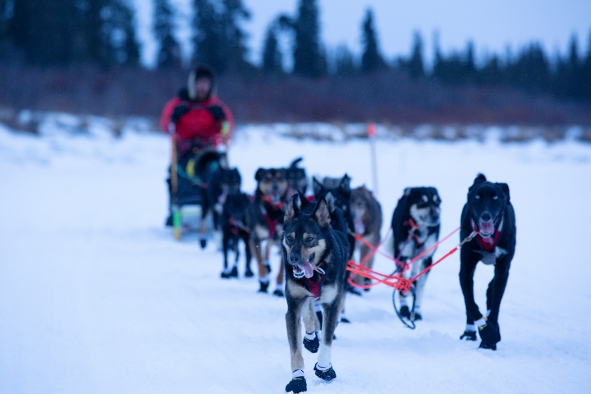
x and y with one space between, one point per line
198 123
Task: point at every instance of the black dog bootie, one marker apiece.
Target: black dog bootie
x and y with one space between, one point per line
325 374
490 335
312 344
297 384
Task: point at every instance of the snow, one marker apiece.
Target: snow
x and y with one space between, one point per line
97 297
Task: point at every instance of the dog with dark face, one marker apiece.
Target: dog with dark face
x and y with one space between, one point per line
415 228
490 214
296 177
316 259
366 212
264 220
233 230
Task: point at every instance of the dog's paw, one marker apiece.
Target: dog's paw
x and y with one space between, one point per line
344 319
297 385
278 293
233 272
484 345
312 344
248 273
404 311
203 243
263 287
325 374
468 335
417 316
225 274
490 334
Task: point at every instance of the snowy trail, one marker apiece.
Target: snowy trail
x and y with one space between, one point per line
96 297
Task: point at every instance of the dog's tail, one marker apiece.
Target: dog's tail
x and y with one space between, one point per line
295 163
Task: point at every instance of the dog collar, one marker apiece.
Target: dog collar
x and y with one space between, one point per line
315 286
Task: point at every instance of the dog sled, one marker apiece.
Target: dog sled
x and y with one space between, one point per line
190 177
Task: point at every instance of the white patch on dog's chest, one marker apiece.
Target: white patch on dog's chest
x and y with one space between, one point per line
328 294
490 258
410 249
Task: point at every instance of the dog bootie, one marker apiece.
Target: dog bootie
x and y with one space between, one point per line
490 335
264 286
203 243
225 273
468 335
248 273
233 272
311 342
298 382
404 311
279 293
327 374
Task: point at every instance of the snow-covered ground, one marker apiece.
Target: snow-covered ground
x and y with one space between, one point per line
97 297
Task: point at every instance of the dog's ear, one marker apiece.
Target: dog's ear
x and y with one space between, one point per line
479 178
407 191
345 184
259 174
317 187
303 201
294 163
330 200
505 188
322 213
293 208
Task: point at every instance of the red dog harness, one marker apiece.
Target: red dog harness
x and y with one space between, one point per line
488 243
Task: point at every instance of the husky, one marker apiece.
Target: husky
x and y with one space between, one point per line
316 258
490 214
415 228
233 230
366 212
296 177
264 220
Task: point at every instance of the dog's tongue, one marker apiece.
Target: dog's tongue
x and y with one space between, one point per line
487 228
359 227
308 269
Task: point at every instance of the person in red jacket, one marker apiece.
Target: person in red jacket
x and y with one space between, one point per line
196 119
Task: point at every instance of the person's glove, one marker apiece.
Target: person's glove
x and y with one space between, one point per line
178 112
217 112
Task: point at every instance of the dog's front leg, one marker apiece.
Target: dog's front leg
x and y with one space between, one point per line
468 261
420 286
323 367
294 337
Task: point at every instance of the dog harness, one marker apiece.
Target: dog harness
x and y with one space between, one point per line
414 232
314 286
271 221
488 243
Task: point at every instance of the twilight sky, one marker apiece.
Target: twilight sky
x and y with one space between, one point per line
492 25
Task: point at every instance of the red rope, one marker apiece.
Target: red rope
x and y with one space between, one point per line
396 280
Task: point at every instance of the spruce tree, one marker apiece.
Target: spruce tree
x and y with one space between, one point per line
308 56
416 67
233 14
169 50
118 31
272 59
344 61
371 60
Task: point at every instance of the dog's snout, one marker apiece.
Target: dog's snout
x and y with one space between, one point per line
294 258
485 217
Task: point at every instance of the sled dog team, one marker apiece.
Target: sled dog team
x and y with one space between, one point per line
316 236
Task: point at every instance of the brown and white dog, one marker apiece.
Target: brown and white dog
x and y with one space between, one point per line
367 221
316 258
264 219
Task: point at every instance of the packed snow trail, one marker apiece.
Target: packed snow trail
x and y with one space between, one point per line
97 297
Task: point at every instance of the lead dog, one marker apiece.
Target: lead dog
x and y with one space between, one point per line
488 212
415 228
316 257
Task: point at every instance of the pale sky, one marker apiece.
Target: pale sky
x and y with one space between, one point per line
493 25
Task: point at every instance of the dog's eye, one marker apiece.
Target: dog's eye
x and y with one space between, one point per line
309 240
477 197
289 239
495 197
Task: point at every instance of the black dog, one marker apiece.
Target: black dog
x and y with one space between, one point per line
316 259
415 228
296 177
223 181
233 230
264 219
490 214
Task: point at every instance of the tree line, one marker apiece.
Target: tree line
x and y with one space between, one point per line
61 33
